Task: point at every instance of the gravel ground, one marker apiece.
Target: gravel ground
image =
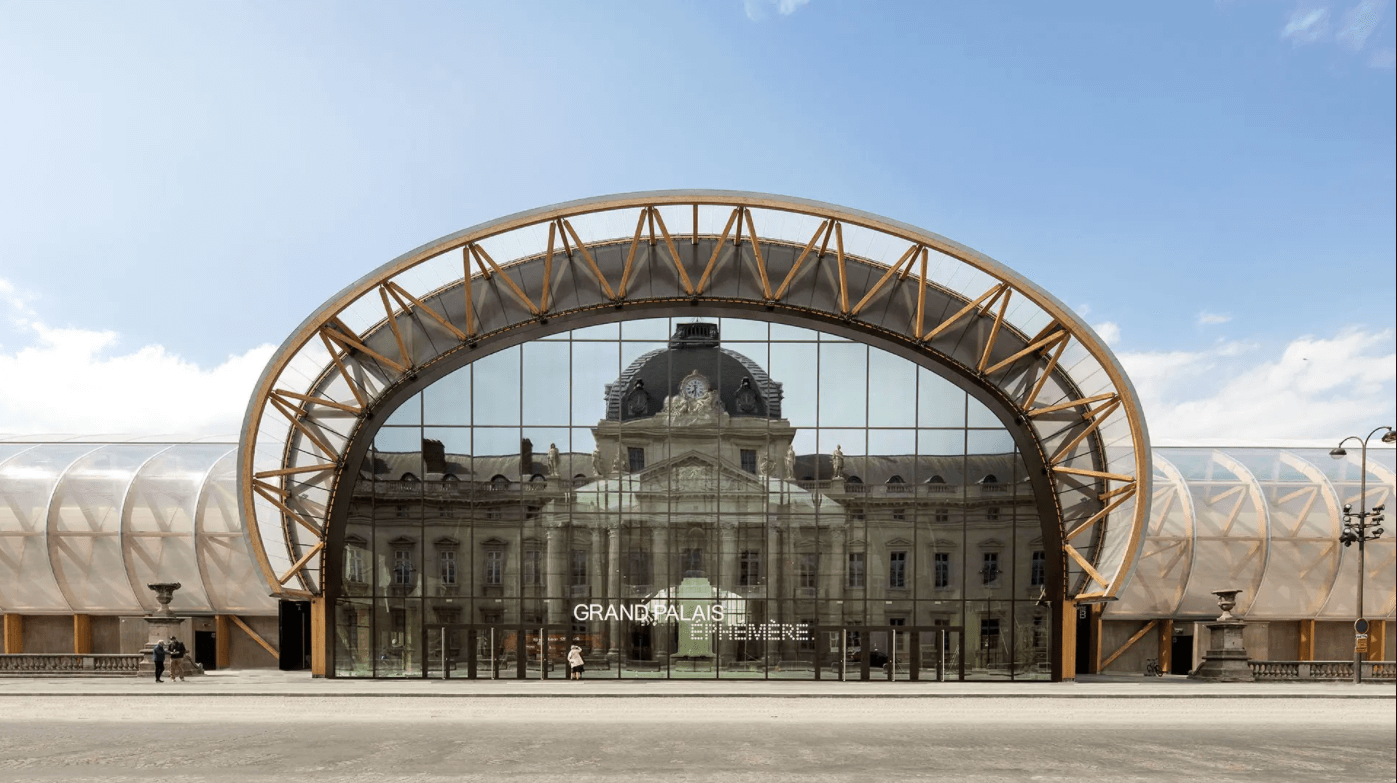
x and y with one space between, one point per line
193 738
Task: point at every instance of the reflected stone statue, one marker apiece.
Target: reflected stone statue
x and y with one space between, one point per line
553 460
836 460
767 466
598 463
618 467
790 463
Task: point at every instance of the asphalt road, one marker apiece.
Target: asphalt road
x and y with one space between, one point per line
767 740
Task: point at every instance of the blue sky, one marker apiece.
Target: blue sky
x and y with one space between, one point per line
1211 184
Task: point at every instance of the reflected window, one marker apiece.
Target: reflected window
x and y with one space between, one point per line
992 514
942 561
638 567
749 568
897 570
402 567
533 567
635 459
749 460
354 557
446 560
577 573
1038 569
807 570
989 640
899 515
494 567
990 570
941 515
857 570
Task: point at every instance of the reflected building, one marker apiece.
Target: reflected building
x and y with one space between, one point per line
694 495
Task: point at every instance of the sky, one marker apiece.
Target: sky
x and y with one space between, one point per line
1209 184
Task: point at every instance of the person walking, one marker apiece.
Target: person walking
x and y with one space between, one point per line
177 652
158 655
575 662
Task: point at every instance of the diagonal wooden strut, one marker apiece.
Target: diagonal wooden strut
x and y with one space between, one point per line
780 292
1097 416
994 330
673 251
1062 406
757 254
1082 561
483 258
299 564
717 249
991 295
905 260
591 263
399 293
1098 516
353 342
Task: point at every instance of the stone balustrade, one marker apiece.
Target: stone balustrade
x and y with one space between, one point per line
55 664
1320 671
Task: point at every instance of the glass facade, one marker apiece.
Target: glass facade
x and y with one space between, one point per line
717 499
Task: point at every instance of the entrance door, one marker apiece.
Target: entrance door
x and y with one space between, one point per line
897 653
1181 654
206 650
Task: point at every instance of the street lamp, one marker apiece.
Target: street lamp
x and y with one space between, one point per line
1361 528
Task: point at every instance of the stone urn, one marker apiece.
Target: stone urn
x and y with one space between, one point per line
164 594
1227 600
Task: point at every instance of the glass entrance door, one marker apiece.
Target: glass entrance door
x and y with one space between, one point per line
894 653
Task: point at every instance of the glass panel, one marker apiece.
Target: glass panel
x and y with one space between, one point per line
695 507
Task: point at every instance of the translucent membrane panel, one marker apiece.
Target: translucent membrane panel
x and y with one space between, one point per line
160 529
85 524
232 579
27 481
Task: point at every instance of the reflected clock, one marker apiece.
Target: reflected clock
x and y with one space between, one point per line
694 386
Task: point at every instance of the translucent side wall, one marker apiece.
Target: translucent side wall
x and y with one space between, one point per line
84 527
1266 521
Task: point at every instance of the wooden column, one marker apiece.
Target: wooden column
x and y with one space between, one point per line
1307 640
14 634
222 637
1166 646
1377 641
319 632
82 634
1067 639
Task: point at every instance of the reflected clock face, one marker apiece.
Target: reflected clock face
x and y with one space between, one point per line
694 387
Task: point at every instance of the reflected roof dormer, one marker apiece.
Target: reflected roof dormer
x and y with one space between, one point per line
693 363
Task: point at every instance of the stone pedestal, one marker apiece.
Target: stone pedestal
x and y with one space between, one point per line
1226 659
160 627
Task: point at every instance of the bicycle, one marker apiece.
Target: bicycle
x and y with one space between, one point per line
1152 668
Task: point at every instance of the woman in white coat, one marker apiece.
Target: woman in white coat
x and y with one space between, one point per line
575 662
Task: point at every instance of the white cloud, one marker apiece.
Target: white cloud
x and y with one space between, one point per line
1306 25
77 381
1358 23
1206 319
1315 390
757 10
1108 331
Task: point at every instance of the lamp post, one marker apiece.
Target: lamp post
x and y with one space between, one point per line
1361 528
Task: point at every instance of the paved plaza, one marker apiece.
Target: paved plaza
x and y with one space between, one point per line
288 727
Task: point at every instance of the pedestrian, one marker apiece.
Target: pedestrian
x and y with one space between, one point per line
158 655
177 651
575 662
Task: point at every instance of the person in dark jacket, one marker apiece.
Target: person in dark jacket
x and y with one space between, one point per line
177 651
158 655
